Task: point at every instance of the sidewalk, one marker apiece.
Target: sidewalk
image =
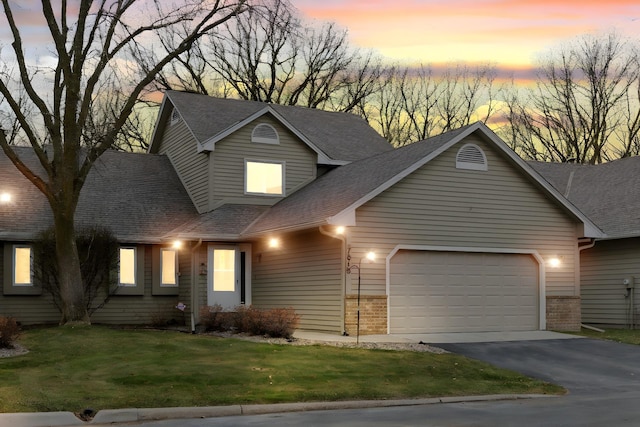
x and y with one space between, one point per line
132 415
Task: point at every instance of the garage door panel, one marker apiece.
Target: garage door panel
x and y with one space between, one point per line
432 291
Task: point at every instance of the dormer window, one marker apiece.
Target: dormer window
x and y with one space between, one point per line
264 178
471 157
265 134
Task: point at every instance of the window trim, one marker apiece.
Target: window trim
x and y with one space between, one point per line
270 162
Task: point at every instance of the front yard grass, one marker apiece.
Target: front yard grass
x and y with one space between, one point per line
628 336
73 368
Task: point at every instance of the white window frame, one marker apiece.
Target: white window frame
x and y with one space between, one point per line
135 267
163 284
13 266
269 162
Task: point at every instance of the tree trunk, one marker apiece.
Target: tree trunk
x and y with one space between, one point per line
71 288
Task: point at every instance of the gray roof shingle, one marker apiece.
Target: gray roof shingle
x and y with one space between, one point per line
340 188
341 136
608 193
138 196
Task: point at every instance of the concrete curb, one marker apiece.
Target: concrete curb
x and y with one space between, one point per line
115 416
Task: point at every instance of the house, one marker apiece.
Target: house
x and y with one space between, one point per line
609 194
279 206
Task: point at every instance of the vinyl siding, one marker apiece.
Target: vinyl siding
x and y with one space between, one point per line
603 269
192 167
304 273
439 205
227 177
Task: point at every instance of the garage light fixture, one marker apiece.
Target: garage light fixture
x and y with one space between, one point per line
555 262
274 243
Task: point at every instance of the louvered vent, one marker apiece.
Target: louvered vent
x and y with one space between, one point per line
175 116
470 156
265 134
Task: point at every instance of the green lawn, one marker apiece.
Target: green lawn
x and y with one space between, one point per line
629 336
69 369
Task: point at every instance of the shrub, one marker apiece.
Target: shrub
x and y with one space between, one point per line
275 322
9 331
214 318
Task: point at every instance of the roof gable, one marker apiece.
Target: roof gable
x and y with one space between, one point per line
334 198
337 138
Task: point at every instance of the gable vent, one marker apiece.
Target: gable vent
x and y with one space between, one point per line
175 116
265 134
470 156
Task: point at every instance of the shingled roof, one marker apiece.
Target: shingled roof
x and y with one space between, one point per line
341 137
138 196
332 197
608 193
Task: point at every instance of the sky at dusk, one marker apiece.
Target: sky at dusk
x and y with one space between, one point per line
506 32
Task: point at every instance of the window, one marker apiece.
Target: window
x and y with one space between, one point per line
127 268
470 156
264 178
168 267
265 134
22 262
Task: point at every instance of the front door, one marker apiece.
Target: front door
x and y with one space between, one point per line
227 283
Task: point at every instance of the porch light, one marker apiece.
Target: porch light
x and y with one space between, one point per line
274 243
5 198
177 244
340 229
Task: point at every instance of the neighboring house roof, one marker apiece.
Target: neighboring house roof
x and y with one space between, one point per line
334 197
137 196
608 193
337 138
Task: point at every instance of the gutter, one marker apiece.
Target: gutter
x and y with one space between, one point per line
194 276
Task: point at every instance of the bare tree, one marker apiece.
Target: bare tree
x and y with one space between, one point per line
92 75
584 107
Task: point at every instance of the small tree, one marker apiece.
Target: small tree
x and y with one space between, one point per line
98 253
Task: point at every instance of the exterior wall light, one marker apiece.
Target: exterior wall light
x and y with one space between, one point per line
177 244
555 262
5 198
274 243
340 229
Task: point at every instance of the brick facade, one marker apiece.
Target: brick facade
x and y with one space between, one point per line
373 314
563 313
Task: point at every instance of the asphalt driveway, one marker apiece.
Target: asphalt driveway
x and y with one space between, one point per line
583 366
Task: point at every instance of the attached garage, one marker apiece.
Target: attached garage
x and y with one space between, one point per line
434 291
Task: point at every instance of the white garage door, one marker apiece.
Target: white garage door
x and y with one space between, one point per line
432 291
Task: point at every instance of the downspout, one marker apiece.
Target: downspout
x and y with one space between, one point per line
343 268
592 243
194 277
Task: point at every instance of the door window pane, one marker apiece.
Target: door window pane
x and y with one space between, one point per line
224 272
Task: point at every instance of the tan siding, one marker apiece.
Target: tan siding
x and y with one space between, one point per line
603 269
230 154
192 167
440 205
305 273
